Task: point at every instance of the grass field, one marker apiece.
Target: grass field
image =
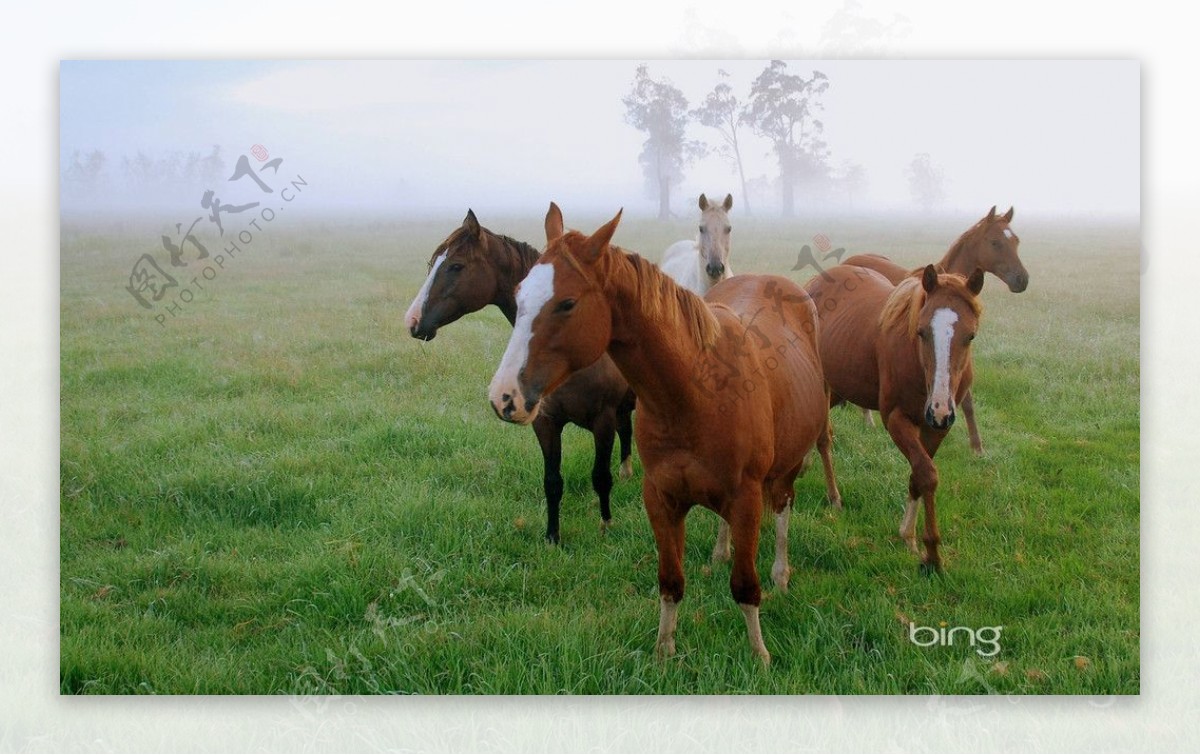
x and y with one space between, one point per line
278 491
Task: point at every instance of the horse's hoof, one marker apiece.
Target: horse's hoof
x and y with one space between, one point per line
552 539
764 656
626 469
929 570
605 524
665 649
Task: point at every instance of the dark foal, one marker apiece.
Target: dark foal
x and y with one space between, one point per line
473 268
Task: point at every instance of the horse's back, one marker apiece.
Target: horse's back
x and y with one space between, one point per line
849 299
777 323
880 264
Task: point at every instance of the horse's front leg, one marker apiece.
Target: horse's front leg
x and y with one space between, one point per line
968 409
667 522
922 483
549 435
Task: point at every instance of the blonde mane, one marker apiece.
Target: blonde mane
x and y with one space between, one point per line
903 305
666 302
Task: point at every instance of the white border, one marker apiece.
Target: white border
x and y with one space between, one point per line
34 37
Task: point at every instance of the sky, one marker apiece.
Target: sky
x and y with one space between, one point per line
428 137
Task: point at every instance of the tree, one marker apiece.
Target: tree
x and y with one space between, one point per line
782 108
926 182
659 109
84 175
722 111
851 180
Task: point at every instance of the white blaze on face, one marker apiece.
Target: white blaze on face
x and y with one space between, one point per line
413 316
942 325
505 392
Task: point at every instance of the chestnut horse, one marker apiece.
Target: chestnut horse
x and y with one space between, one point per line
473 268
701 264
731 396
906 351
989 245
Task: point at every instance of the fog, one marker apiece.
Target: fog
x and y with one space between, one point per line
431 138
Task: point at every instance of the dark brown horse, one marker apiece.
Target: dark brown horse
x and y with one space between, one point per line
730 393
991 246
906 351
473 268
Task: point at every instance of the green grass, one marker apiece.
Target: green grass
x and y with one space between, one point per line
280 492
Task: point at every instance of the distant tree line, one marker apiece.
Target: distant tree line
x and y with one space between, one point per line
87 176
782 107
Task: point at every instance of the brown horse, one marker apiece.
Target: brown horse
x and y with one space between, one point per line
473 268
991 246
906 351
730 391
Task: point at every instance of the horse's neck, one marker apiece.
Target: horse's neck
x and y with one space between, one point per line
657 362
960 257
518 259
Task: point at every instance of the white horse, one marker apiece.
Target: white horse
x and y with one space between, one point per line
701 264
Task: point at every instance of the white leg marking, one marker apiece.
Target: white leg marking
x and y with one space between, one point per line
413 316
908 525
780 570
667 612
754 632
627 468
942 325
534 292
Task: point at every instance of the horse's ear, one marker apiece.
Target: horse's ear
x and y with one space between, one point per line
975 282
703 203
1008 216
929 279
554 223
471 224
728 202
991 214
598 241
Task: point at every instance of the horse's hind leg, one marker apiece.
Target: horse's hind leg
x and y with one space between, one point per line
968 410
745 513
720 553
549 435
825 447
781 494
625 436
868 418
603 432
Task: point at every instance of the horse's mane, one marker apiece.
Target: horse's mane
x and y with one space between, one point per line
517 255
521 256
663 301
967 237
903 305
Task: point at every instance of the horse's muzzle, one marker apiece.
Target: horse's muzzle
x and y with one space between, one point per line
715 270
419 331
1019 282
944 423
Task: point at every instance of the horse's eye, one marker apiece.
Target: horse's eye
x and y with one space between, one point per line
970 337
728 228
996 243
566 305
924 334
456 267
703 229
